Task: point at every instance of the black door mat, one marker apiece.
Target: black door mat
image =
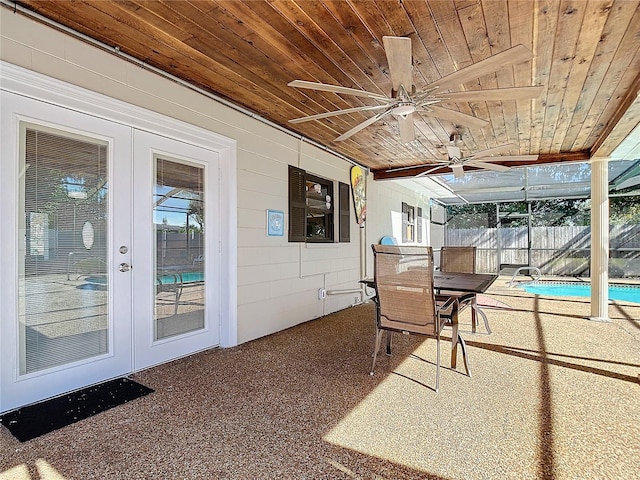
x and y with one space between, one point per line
31 421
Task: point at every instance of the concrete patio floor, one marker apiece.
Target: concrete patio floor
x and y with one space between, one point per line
552 396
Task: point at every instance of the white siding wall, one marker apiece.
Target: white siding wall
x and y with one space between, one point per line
278 281
437 229
384 213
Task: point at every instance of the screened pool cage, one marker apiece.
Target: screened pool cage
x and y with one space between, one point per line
540 217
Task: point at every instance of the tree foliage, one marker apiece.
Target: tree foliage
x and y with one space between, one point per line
551 213
624 210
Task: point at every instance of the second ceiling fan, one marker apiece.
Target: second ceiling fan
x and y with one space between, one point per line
479 160
404 101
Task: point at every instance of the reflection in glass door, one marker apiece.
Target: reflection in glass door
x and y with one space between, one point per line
63 284
178 218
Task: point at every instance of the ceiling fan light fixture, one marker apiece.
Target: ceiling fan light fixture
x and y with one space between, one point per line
403 109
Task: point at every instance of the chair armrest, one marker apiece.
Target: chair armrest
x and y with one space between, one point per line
466 297
449 307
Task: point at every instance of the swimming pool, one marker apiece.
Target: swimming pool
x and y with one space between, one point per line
624 293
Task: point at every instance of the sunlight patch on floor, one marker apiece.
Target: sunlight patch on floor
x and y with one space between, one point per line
394 422
21 472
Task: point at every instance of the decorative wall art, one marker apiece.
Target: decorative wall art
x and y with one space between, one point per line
359 194
275 223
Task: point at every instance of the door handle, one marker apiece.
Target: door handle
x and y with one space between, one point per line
125 267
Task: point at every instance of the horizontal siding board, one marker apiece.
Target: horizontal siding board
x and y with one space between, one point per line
264 165
259 274
262 147
256 182
283 312
277 289
251 199
267 255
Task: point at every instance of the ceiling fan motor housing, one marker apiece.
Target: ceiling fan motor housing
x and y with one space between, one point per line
403 109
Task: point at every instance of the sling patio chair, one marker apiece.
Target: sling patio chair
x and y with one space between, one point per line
462 260
406 300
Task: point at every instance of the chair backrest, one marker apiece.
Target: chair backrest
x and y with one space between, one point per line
458 259
404 286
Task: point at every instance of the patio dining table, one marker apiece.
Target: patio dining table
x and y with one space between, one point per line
453 282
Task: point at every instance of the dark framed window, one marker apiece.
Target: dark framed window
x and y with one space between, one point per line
320 203
311 208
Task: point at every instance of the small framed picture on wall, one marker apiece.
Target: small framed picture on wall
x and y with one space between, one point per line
275 223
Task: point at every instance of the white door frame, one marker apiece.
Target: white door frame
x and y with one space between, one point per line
37 86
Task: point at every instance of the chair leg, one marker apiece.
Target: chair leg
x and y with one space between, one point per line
486 321
475 311
376 348
389 336
438 363
463 346
178 295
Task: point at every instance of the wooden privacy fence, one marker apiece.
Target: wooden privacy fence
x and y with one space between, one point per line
555 250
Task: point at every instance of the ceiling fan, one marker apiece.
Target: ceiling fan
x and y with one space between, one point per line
480 159
404 100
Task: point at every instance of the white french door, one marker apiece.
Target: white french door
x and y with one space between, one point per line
109 243
66 306
176 235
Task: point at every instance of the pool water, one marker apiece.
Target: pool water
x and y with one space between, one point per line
183 277
624 293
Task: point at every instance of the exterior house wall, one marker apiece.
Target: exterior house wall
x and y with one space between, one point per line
384 214
277 281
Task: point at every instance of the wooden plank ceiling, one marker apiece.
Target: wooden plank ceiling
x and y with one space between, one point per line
586 56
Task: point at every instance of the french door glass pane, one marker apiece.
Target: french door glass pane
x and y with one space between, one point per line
63 283
179 233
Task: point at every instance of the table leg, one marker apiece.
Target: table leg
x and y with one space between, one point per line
474 316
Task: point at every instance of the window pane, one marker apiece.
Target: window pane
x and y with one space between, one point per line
63 283
319 209
179 226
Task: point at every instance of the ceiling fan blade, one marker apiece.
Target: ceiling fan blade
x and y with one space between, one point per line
399 169
487 166
492 151
458 170
336 112
407 128
337 89
398 50
513 55
427 172
362 125
454 116
497 94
